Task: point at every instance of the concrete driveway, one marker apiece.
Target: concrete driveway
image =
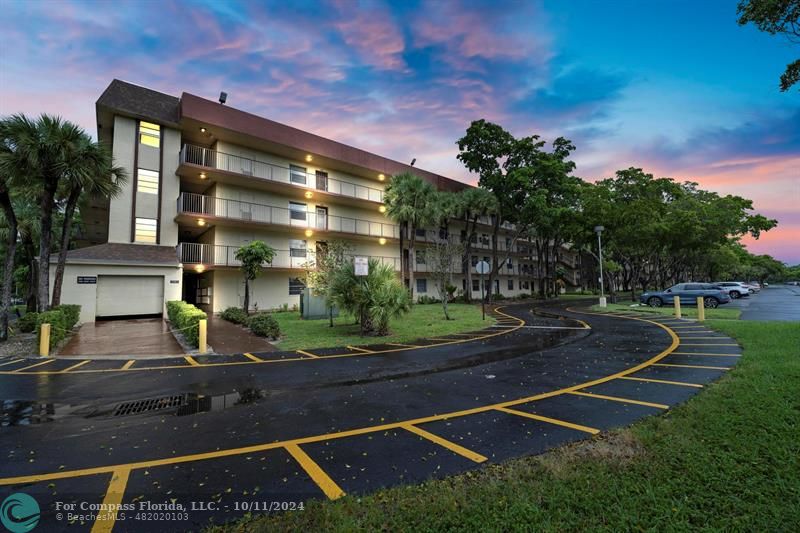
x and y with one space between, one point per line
123 338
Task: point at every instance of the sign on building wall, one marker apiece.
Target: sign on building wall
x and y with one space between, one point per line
361 265
87 280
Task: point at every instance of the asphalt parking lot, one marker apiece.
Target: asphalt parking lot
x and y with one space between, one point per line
196 440
776 302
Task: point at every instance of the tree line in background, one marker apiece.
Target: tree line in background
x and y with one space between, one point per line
48 169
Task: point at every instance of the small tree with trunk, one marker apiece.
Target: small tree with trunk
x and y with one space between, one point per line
443 257
253 256
328 261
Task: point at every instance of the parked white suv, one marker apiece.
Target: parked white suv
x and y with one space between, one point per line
734 288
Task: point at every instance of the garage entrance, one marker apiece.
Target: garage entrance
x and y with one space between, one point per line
130 296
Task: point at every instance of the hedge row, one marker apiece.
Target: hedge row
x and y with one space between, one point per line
61 318
262 324
186 318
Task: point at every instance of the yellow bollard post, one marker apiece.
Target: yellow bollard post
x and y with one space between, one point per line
701 309
677 302
44 340
202 348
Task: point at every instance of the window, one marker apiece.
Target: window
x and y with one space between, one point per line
297 248
297 174
146 229
508 243
422 285
149 134
476 286
474 260
147 181
297 211
420 232
511 284
464 284
484 239
420 257
510 266
296 286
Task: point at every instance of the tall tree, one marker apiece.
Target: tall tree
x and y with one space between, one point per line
91 173
775 17
472 204
10 251
327 263
253 256
44 150
408 202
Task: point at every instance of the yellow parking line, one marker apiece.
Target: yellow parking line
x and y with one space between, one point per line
253 358
303 352
76 366
708 344
452 446
128 364
323 480
11 362
693 366
33 366
357 349
697 385
621 400
104 522
704 353
191 360
703 338
555 421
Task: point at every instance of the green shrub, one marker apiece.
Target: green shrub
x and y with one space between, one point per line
235 315
72 313
58 326
186 318
425 299
28 322
264 325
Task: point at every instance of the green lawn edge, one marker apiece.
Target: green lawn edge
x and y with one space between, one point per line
728 459
424 320
686 312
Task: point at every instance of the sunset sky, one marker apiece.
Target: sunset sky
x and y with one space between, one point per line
675 87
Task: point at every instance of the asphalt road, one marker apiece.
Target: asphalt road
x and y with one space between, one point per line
776 302
269 431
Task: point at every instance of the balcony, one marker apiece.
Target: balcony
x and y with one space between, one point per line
241 170
221 255
238 212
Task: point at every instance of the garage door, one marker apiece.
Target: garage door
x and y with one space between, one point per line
130 295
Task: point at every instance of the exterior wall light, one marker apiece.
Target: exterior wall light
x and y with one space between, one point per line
381 177
309 158
381 241
309 194
201 222
199 268
382 209
202 130
309 233
203 175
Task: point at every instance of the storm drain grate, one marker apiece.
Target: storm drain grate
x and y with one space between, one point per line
151 404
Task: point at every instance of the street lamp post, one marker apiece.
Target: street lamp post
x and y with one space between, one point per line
599 230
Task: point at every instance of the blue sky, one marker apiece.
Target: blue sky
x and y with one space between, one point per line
675 87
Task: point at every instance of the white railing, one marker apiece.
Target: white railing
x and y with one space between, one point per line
198 204
212 159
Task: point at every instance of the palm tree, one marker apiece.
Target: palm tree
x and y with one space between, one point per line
472 204
93 174
374 299
45 151
11 240
408 202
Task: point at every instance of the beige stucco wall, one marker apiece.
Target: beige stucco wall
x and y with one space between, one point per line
269 291
119 213
170 188
85 295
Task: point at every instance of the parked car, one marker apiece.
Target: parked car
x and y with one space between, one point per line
688 294
752 288
756 285
734 288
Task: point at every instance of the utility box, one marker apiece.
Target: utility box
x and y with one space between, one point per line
314 307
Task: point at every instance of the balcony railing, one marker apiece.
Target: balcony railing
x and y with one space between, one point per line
224 255
212 159
198 204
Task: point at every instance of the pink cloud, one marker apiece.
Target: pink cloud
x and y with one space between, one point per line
372 34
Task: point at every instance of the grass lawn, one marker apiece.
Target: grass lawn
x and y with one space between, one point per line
686 312
423 321
727 460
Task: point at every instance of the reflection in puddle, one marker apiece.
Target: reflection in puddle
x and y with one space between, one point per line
28 413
